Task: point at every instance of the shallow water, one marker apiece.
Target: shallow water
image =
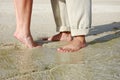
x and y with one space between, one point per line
98 61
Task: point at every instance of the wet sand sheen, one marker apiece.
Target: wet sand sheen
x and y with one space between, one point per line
91 63
100 60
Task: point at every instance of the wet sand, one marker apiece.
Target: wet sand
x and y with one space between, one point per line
100 60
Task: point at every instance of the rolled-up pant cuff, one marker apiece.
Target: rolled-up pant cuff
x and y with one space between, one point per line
76 32
64 28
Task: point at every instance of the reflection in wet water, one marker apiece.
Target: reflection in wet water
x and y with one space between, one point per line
92 63
25 62
70 58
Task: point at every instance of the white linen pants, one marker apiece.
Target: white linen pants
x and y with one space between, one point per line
72 15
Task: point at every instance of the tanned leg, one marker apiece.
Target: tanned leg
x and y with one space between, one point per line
23 16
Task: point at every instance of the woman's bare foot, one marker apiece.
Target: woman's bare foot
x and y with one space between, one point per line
26 40
62 36
76 44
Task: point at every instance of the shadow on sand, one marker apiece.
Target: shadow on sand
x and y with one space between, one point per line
108 32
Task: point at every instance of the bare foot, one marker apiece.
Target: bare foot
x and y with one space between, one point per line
76 44
62 36
27 41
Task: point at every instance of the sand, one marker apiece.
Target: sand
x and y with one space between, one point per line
100 60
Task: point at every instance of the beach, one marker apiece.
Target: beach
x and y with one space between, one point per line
99 60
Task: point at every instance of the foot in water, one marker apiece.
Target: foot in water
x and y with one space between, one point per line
26 40
76 44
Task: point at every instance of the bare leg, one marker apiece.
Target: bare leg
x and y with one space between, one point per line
76 44
23 16
62 36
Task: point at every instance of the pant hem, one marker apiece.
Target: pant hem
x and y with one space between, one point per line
76 32
64 28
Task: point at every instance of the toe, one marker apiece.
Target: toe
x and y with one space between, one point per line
60 50
50 39
67 50
64 50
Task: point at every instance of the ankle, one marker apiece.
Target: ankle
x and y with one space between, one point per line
80 38
22 34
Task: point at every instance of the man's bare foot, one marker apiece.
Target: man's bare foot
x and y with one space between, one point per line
26 40
62 36
76 44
